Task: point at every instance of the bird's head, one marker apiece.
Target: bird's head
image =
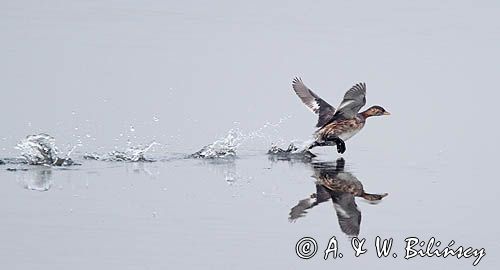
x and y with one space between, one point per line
375 111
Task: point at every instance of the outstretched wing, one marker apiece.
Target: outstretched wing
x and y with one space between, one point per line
354 100
348 213
324 110
300 210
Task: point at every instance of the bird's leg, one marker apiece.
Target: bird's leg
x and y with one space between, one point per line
340 144
314 144
338 141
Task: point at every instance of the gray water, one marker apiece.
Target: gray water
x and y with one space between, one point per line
104 76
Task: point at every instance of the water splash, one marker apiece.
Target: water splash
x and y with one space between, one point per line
227 146
131 154
41 149
292 152
222 148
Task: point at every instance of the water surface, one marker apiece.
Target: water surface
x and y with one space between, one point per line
110 79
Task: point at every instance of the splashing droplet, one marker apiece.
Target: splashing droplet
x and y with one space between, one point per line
293 152
41 149
132 154
225 147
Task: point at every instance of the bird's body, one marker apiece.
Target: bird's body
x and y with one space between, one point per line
335 178
341 187
337 125
343 129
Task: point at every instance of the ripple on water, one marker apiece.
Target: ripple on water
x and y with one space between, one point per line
132 154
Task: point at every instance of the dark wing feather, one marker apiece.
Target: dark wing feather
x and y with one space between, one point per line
322 194
347 212
354 100
324 110
298 211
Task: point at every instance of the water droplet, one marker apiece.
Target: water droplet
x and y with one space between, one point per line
132 129
156 119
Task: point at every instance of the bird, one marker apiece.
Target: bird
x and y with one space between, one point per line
333 182
335 126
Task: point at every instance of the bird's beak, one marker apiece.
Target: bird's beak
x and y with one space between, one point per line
387 113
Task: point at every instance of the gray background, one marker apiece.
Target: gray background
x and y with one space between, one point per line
86 71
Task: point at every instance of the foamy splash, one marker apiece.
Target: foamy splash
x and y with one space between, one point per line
292 152
223 148
131 154
41 149
227 147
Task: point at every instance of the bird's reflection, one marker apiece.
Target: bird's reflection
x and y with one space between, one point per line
335 183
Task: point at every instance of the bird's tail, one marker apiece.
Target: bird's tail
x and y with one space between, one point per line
373 197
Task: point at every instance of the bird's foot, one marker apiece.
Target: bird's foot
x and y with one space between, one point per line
314 144
340 145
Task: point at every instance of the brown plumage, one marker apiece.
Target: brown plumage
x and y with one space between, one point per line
347 183
337 126
341 187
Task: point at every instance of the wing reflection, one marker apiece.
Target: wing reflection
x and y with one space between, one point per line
335 183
